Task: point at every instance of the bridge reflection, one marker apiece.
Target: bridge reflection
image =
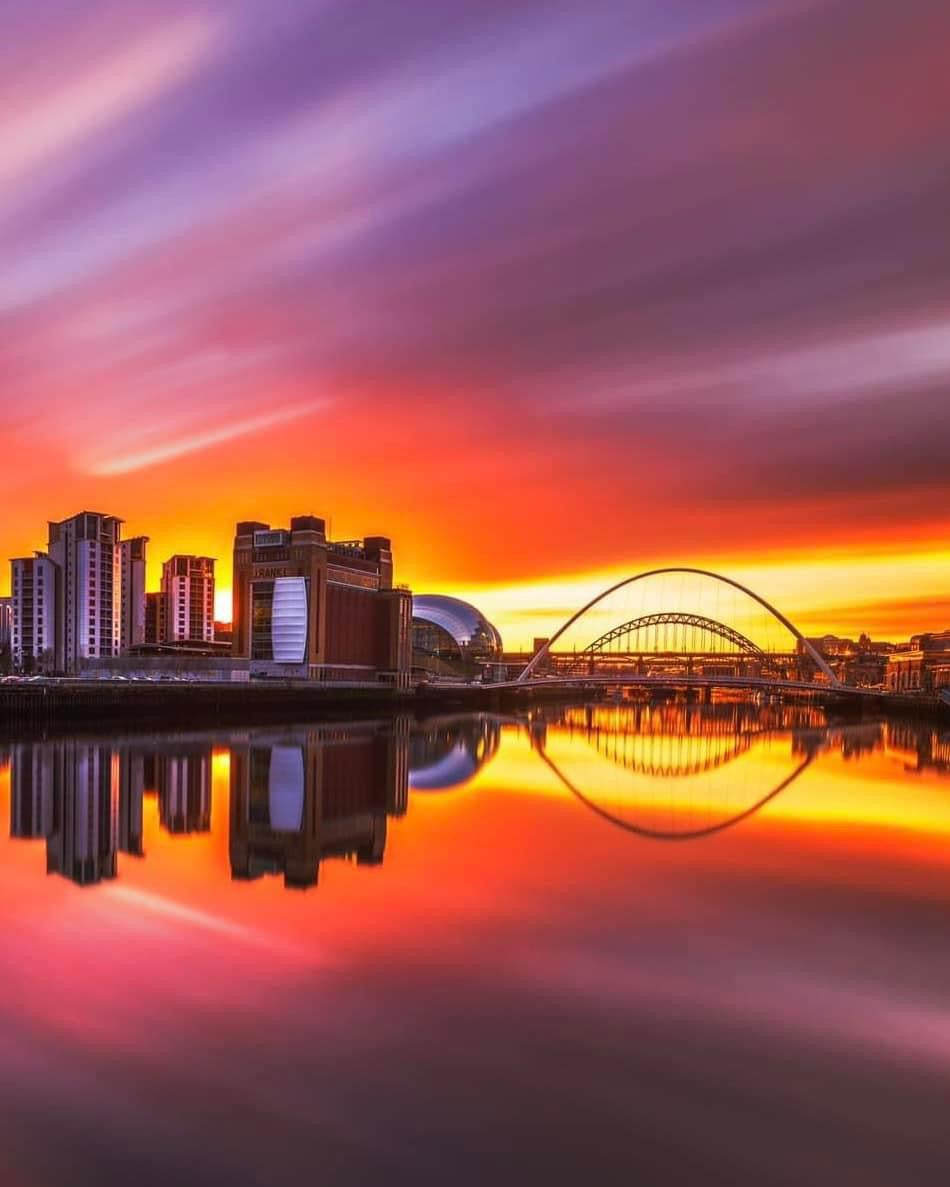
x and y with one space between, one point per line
670 758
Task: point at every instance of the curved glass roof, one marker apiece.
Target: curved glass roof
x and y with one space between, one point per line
463 621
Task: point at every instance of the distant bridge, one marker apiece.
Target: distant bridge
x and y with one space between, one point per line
691 634
668 644
764 683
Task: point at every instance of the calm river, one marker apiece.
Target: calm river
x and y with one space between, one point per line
614 944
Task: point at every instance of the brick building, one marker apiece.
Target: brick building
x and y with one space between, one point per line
308 607
922 666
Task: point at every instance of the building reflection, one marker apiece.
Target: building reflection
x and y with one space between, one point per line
919 747
446 752
84 799
31 791
131 796
183 782
84 837
302 796
297 796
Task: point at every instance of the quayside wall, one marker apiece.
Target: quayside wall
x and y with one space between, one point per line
144 706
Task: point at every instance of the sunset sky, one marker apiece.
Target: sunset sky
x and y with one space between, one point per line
548 292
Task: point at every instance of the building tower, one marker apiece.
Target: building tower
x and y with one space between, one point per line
188 599
6 623
33 642
132 591
89 608
154 618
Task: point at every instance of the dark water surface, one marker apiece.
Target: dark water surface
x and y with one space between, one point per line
598 945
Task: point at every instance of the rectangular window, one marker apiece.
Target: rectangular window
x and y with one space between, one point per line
262 609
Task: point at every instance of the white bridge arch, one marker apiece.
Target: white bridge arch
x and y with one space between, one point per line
817 658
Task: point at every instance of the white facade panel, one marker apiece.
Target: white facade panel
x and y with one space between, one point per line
289 620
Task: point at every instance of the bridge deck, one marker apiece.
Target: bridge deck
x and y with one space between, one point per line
763 683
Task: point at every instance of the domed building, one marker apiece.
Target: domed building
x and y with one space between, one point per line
451 637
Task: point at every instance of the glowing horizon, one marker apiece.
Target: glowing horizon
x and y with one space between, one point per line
816 591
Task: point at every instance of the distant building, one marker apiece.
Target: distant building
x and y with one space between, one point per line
452 637
922 666
35 584
312 608
861 664
188 599
132 591
6 633
89 605
154 618
831 646
83 599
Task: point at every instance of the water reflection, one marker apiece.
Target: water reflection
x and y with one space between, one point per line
299 795
681 748
68 792
660 770
183 783
920 749
447 752
523 960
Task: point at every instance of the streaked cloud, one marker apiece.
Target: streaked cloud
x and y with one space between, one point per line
125 456
109 91
546 265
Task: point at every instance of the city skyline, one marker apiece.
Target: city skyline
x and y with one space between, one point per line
519 621
457 327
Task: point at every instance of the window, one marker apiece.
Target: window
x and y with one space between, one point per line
262 609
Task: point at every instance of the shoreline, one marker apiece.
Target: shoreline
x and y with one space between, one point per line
26 708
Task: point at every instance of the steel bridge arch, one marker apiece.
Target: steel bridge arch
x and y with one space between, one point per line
671 617
777 614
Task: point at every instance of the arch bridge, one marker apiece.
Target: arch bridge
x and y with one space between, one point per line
684 644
